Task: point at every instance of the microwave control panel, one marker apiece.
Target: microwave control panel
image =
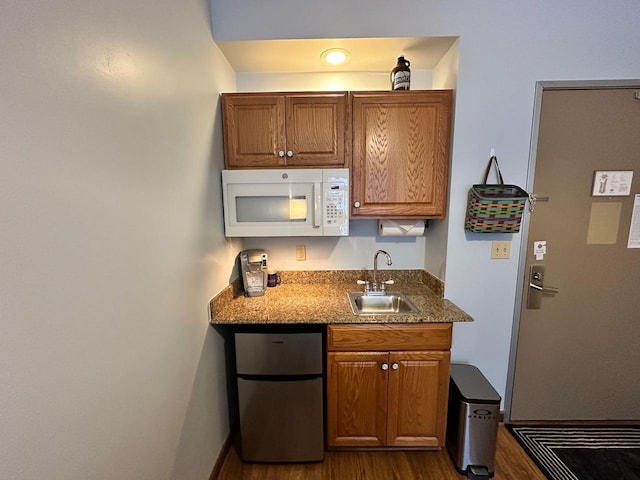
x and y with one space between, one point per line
335 218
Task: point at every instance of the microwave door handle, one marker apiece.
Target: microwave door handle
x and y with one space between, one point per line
317 204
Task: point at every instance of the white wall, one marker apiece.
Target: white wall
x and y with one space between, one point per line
505 47
354 252
111 240
445 76
337 81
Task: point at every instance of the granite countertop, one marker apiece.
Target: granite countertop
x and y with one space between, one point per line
320 297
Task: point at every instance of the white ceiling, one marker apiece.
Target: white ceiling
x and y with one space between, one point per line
367 54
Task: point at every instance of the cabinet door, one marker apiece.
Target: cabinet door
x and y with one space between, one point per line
401 144
418 392
315 130
356 399
253 130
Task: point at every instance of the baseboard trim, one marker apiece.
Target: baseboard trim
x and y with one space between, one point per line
222 456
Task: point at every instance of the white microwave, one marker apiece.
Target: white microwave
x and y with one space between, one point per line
286 203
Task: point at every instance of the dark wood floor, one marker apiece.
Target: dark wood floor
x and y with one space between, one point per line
511 464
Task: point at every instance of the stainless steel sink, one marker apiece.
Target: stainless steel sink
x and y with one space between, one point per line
391 303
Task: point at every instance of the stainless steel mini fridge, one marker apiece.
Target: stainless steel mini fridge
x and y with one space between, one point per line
472 422
280 392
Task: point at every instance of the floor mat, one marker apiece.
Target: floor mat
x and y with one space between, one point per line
574 452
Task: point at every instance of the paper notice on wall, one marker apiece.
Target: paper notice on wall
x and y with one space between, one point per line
616 183
634 229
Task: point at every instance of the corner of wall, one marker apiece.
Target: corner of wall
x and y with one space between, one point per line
445 76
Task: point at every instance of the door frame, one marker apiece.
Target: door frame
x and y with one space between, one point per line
541 87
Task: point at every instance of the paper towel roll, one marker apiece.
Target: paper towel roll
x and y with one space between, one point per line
400 228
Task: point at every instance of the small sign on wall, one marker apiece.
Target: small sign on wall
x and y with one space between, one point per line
634 229
608 183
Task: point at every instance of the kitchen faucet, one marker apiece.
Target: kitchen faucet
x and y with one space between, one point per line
375 289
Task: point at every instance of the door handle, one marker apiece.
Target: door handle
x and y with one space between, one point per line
536 287
550 290
317 204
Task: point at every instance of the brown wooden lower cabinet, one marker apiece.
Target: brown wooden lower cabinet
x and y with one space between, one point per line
356 399
390 398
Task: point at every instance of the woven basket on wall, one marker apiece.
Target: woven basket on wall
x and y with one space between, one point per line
495 208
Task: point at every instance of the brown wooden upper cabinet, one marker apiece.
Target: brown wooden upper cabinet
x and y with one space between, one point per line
267 130
401 149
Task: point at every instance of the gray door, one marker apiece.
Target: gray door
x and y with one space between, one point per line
577 356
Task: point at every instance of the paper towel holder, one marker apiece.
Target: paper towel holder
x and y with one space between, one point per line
402 227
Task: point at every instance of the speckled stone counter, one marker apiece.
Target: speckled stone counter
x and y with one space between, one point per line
320 297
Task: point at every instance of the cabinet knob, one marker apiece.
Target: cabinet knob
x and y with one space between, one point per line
289 153
356 204
394 365
385 366
281 153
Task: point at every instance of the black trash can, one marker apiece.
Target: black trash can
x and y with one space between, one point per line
472 422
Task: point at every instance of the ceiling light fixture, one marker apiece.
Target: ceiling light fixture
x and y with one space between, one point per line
335 56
